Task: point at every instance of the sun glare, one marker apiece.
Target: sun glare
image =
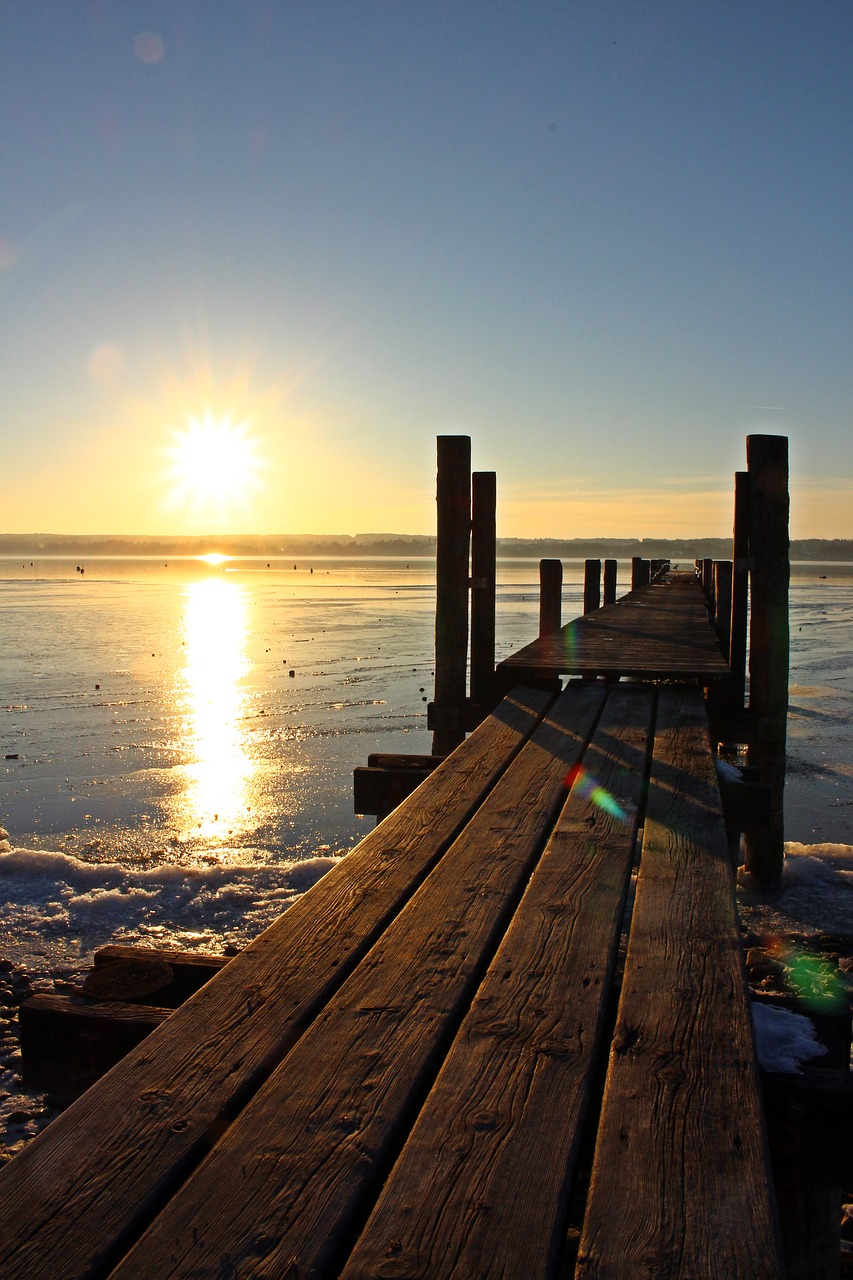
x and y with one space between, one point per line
215 464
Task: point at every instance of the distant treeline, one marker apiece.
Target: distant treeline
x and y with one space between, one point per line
389 544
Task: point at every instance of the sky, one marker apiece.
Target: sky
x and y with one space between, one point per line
255 256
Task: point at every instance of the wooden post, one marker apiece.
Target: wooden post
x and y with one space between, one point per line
610 568
740 593
591 585
550 596
483 576
453 499
723 598
769 554
636 572
708 583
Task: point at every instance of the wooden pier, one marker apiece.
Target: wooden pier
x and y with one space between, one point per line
508 1035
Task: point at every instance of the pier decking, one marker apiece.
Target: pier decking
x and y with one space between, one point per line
656 632
396 1079
529 971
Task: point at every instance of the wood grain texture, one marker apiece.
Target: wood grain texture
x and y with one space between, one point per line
481 1186
287 1186
75 1197
656 632
680 1183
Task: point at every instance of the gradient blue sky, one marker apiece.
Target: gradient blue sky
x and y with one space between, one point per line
607 240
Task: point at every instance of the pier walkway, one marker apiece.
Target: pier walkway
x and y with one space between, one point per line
403 1076
656 632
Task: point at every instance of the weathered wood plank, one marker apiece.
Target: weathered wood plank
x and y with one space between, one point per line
480 1188
680 1184
81 1191
310 1148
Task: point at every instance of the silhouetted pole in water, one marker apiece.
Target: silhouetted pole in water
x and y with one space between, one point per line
591 585
453 500
550 596
610 568
723 601
740 593
483 572
640 572
769 551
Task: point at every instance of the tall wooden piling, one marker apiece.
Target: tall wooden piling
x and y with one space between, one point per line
723 601
740 593
453 501
550 596
610 568
641 572
591 585
769 555
483 575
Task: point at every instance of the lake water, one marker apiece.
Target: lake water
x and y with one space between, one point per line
178 739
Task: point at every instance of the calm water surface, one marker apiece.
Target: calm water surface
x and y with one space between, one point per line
179 739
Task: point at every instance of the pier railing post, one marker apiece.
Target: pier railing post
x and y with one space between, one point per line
453 500
740 593
610 567
723 601
483 576
769 638
550 596
591 585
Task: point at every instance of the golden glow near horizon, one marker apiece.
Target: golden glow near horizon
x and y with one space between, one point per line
215 466
220 768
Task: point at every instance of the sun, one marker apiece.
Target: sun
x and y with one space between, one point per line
215 464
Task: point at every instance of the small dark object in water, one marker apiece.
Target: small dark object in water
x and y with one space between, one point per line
291 673
97 686
13 756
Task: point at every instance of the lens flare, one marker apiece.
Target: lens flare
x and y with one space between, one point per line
589 789
810 976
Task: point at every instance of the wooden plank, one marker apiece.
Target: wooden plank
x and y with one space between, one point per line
80 1192
481 1186
310 1149
655 632
680 1184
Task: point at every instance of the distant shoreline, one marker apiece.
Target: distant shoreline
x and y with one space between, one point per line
54 544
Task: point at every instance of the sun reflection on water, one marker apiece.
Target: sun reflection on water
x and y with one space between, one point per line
219 767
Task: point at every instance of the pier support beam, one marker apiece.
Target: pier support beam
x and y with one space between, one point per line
769 554
550 596
483 575
591 585
740 593
453 500
610 567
